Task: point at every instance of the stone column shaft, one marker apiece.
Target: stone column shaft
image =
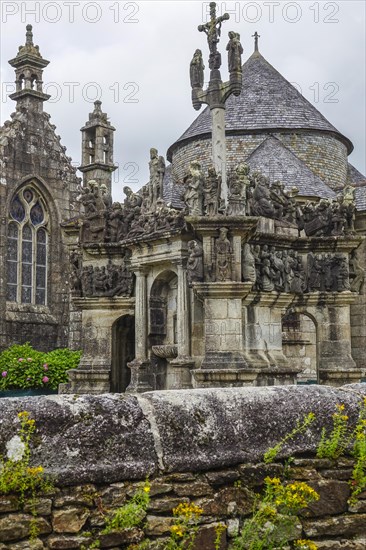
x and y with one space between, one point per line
183 314
141 317
219 148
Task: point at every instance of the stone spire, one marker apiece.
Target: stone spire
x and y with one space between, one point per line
29 65
97 148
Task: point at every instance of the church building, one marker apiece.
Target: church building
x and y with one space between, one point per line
240 262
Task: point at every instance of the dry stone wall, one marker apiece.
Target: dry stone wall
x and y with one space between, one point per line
201 446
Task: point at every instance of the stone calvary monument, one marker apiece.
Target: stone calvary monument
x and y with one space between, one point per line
240 262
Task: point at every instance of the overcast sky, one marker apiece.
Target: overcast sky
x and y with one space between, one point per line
134 57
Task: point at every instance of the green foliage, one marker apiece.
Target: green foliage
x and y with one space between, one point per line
184 531
275 515
132 513
22 367
300 428
17 476
334 444
358 479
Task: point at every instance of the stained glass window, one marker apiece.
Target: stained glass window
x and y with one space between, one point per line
27 248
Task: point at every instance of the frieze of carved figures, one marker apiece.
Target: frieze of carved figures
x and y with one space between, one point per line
223 256
109 280
357 273
95 200
141 214
330 217
195 262
278 270
328 272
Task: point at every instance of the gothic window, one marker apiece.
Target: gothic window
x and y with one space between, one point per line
27 248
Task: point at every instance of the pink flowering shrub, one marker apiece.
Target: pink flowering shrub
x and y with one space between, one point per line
23 367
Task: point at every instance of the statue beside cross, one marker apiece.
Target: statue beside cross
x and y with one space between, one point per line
217 92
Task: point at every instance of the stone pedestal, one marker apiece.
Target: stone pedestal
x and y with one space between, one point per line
179 374
81 381
139 376
218 378
277 376
263 329
223 324
339 377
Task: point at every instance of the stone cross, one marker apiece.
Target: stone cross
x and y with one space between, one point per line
256 36
217 93
213 31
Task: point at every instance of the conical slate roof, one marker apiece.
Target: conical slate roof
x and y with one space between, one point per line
267 102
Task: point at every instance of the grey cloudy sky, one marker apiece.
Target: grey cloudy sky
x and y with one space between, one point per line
135 57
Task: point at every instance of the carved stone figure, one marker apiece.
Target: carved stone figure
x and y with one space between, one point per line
193 193
223 251
196 70
314 272
267 276
211 192
235 50
261 204
279 199
87 280
298 282
342 271
195 262
248 264
357 273
75 276
106 197
238 185
157 170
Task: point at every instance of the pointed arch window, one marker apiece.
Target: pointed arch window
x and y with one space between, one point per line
27 248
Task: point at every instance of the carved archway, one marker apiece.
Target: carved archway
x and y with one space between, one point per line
123 351
300 344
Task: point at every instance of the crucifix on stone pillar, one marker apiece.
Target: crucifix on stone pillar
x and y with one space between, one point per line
217 92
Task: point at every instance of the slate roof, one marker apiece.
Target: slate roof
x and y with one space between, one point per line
172 192
267 102
360 197
354 176
277 162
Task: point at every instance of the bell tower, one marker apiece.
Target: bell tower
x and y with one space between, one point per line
97 148
29 65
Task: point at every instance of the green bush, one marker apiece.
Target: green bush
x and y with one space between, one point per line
22 367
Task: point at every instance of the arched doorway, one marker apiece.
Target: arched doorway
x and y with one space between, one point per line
299 344
162 321
123 351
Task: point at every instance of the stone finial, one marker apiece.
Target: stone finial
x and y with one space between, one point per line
256 36
97 107
29 36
